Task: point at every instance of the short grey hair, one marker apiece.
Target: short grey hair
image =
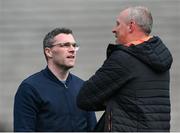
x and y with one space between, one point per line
142 16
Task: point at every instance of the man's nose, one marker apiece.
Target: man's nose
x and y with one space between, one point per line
114 30
72 48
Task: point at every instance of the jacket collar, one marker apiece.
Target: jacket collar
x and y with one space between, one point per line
152 52
47 72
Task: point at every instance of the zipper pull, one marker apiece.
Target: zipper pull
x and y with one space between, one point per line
65 85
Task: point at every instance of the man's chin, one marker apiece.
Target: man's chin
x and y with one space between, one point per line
70 66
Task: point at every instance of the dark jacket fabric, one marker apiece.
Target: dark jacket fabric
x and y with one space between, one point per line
132 86
43 103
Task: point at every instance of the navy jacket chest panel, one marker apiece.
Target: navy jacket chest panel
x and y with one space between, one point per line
56 98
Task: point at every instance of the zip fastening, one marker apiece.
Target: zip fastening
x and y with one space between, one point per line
110 121
69 106
65 85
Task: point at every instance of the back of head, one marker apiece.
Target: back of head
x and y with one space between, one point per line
142 16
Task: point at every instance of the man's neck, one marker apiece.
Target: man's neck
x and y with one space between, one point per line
138 39
60 73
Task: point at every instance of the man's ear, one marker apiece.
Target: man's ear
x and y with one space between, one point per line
131 26
48 52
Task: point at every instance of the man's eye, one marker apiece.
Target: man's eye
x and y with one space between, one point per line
66 44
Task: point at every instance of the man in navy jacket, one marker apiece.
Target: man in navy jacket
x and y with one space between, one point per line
46 101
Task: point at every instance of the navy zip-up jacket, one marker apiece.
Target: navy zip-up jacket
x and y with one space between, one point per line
43 103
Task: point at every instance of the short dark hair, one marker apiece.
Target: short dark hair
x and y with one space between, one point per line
49 38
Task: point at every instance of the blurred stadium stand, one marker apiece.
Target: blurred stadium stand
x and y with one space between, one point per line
24 23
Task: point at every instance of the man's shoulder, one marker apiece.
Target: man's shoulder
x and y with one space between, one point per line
76 81
33 82
120 57
36 77
75 77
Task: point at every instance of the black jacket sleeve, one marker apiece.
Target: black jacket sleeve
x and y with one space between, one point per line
25 109
108 79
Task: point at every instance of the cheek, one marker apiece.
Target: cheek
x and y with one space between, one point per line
58 54
122 31
119 30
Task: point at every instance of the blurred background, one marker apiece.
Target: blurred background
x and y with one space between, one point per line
24 23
